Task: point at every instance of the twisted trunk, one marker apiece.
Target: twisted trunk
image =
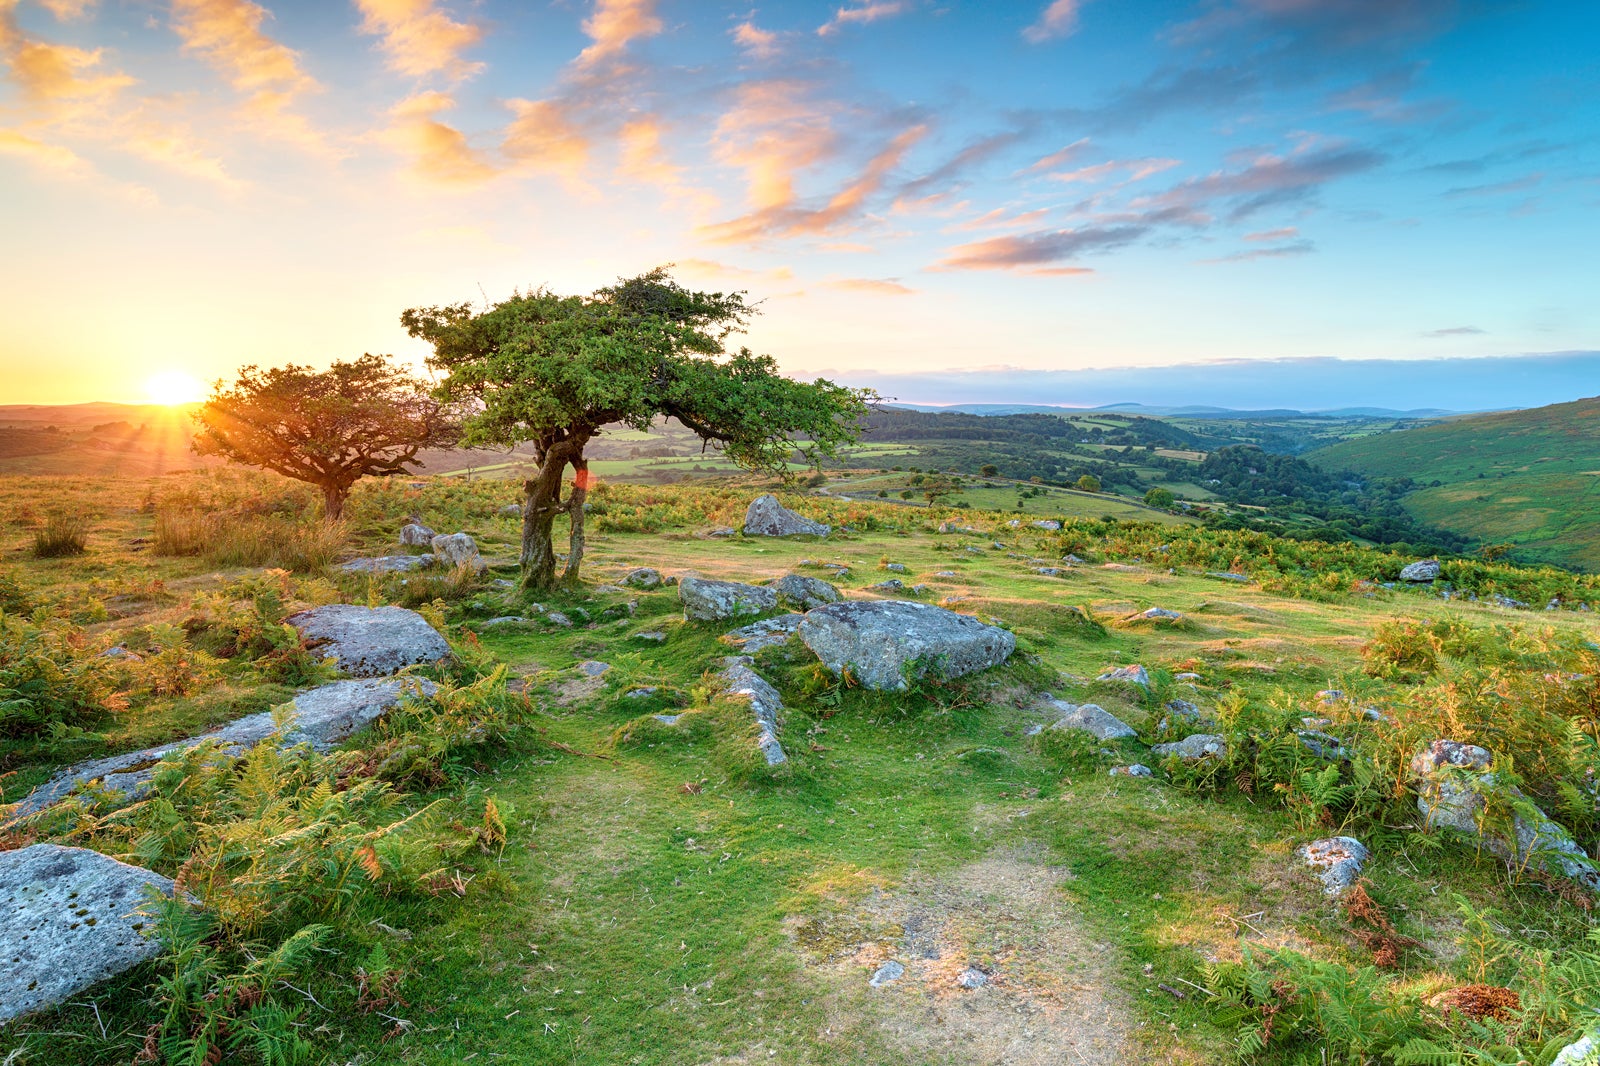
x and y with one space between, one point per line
575 502
541 504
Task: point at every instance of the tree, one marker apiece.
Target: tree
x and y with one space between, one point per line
329 428
989 470
935 488
1089 483
554 370
1159 497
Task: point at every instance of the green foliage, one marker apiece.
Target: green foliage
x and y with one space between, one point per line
327 428
1088 483
1160 497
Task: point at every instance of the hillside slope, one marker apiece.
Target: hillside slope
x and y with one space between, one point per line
1531 478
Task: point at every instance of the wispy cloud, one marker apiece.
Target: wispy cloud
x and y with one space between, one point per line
1042 251
1456 331
841 211
1498 188
1057 20
1285 234
772 133
871 11
875 286
950 175
542 138
1060 157
1277 251
756 42
421 37
1267 180
614 24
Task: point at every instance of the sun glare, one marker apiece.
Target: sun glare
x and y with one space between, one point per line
174 387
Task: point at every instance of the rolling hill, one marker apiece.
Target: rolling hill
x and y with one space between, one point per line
1529 478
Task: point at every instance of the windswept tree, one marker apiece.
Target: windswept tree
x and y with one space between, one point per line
554 370
329 428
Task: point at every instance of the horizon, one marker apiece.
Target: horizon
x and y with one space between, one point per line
1016 197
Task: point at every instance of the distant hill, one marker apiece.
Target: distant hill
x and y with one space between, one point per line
1530 478
96 439
1158 411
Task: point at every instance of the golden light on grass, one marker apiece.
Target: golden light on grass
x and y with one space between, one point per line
174 387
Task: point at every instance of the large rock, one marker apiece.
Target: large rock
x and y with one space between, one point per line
457 549
803 593
1583 1052
880 641
1425 570
416 535
766 517
705 600
1337 862
324 716
1088 716
68 920
742 682
1133 675
767 633
644 577
1458 789
371 641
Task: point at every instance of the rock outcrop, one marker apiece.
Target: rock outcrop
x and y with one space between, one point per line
1194 748
1091 718
705 600
803 593
882 641
644 577
1132 675
1458 790
387 564
457 549
767 633
324 717
371 641
766 517
416 535
68 920
1422 571
742 682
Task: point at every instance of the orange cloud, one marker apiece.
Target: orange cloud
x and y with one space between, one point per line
439 153
66 10
782 219
421 38
1056 158
542 138
868 12
770 134
710 268
227 33
878 286
52 156
614 24
1059 19
52 73
762 44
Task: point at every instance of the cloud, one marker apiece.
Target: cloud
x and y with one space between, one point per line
1456 331
713 269
871 11
842 210
421 38
758 43
1135 169
614 24
67 10
1057 158
878 286
945 178
771 133
1284 234
1057 20
439 153
1267 181
53 157
1280 251
642 159
1001 218
56 73
1039 252
543 138
1527 181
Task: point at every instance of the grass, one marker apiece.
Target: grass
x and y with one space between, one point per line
629 918
1524 477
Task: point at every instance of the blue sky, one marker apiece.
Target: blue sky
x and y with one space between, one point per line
925 193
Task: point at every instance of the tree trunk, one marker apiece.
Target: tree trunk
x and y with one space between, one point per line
580 493
333 497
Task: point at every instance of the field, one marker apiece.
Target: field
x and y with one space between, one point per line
1527 478
654 895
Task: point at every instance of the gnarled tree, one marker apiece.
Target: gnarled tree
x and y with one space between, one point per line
329 428
554 370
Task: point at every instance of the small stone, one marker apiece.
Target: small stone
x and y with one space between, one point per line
946 573
593 667
511 510
1135 770
1155 613
1187 675
653 636
894 584
1094 719
1047 523
1133 675
416 535
1193 748
1337 862
556 618
972 977
885 974
667 719
642 692
895 568
503 620
644 577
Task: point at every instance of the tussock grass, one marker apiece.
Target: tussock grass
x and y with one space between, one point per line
64 533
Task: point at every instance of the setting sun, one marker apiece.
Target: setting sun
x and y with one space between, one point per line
174 387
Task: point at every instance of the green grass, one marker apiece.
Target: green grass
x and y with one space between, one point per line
630 920
1524 477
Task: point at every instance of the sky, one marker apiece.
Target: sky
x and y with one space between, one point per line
954 201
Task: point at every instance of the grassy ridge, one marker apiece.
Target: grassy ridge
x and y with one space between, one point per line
1530 478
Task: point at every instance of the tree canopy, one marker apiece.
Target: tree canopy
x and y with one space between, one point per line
329 428
554 370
